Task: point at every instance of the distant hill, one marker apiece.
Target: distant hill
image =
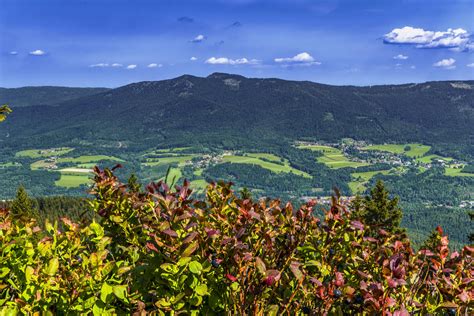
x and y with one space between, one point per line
28 96
234 110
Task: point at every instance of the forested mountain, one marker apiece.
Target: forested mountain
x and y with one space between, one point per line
278 138
231 110
28 96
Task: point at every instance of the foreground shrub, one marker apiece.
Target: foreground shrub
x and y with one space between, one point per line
161 251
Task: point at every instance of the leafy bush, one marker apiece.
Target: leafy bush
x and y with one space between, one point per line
160 251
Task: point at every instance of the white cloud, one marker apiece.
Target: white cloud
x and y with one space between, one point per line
100 65
457 39
446 63
153 65
193 58
13 52
116 65
400 57
229 61
198 38
37 52
132 66
301 59
470 65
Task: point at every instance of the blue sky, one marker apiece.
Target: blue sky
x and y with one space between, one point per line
115 42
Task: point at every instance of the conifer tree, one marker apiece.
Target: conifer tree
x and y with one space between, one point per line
378 210
133 184
22 205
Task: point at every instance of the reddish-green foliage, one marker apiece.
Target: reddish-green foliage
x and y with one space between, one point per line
161 251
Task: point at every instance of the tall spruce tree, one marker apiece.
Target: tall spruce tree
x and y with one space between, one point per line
22 205
378 210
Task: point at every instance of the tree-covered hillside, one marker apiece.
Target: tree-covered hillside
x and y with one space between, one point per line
231 110
31 96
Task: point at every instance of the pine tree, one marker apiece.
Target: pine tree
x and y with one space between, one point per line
378 210
22 206
133 184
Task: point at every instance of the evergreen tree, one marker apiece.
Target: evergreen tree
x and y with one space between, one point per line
432 242
378 210
245 193
133 184
22 205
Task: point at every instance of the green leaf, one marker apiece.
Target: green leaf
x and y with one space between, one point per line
190 249
201 289
53 266
29 271
195 267
121 292
4 271
105 291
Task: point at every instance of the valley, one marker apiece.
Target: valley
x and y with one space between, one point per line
287 139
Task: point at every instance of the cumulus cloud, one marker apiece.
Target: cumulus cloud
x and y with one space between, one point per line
116 65
132 66
446 63
198 39
13 52
185 19
153 65
400 57
37 52
300 59
229 61
193 58
470 65
457 39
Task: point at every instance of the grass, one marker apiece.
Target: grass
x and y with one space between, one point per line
180 160
429 158
333 157
277 168
266 156
174 175
170 150
41 164
416 150
43 153
360 179
199 185
72 180
457 172
9 164
89 159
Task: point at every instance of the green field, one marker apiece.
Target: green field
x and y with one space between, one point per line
180 160
360 180
44 153
266 156
199 185
333 157
9 164
416 150
72 180
429 158
89 159
265 164
170 150
457 172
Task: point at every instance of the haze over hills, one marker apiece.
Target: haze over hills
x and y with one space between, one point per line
27 96
236 107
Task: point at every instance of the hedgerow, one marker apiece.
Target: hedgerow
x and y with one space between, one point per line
160 251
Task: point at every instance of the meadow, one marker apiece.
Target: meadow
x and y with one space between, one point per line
333 157
415 150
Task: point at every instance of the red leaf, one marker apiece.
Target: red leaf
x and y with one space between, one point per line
231 277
